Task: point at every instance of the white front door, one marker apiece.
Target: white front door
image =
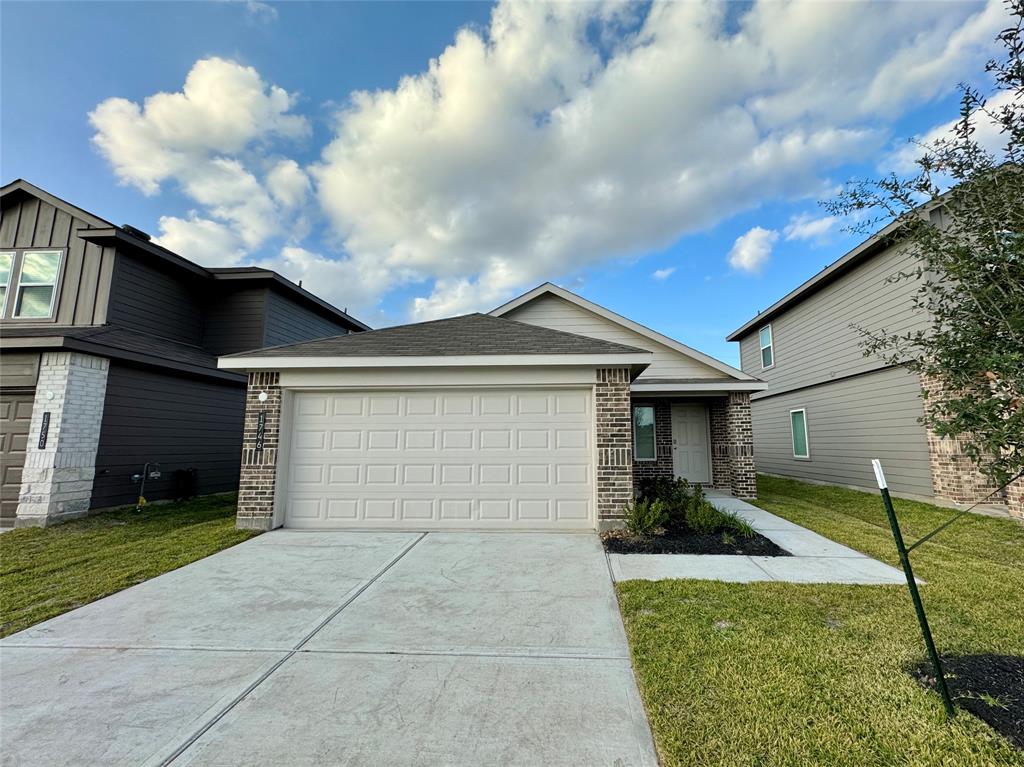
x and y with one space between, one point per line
490 459
690 443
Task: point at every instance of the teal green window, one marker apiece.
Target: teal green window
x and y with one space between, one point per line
798 428
644 448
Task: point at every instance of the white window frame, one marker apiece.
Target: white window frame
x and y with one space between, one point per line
654 415
10 280
771 345
16 283
792 434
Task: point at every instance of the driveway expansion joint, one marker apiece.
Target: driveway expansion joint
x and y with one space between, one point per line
297 648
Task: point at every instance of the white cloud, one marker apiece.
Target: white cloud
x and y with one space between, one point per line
524 152
202 240
806 227
261 13
751 251
341 282
986 132
663 274
222 108
204 138
288 183
557 138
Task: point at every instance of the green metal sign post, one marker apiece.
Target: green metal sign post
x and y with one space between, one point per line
904 552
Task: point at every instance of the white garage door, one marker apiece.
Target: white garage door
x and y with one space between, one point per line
430 459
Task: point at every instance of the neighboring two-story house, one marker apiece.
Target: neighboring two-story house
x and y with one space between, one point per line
108 360
829 409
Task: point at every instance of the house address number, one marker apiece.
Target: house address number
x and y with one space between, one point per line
44 430
261 428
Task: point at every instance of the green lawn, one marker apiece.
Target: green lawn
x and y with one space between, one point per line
47 571
787 674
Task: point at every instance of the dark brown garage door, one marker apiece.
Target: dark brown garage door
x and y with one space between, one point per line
15 416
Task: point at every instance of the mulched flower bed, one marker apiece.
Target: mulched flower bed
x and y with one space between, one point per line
989 686
685 541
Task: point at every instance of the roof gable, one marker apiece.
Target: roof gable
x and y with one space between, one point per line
21 187
471 335
551 306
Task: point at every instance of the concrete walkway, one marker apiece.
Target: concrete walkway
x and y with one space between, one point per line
815 559
300 648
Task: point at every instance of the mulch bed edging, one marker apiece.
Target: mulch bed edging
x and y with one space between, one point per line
689 542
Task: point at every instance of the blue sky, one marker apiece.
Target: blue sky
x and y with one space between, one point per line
664 161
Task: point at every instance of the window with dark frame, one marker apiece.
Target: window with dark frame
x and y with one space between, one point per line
644 445
28 283
6 267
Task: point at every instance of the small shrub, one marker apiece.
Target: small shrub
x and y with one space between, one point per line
739 525
670 491
645 516
703 518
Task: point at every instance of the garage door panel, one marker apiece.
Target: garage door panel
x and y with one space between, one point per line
494 459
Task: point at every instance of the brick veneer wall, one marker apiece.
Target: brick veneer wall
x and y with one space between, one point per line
735 445
732 445
56 482
1015 498
257 483
955 477
721 468
614 419
662 465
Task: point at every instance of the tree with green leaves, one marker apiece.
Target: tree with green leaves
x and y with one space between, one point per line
961 213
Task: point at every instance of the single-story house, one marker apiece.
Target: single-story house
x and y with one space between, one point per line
538 416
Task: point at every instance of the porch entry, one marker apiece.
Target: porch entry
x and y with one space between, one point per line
691 443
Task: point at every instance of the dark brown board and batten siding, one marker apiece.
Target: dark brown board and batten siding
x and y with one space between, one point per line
151 298
288 322
234 320
179 423
84 294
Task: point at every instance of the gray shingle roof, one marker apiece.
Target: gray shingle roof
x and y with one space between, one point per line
472 334
120 339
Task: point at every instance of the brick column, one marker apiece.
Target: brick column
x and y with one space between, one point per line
955 477
721 465
738 435
56 484
614 440
258 480
1015 498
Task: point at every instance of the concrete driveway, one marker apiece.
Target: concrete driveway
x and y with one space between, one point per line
301 648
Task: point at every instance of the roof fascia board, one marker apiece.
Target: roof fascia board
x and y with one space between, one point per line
113 235
24 186
101 350
625 322
475 360
710 386
290 287
867 249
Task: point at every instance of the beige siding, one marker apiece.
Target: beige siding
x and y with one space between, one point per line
553 312
849 422
814 341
